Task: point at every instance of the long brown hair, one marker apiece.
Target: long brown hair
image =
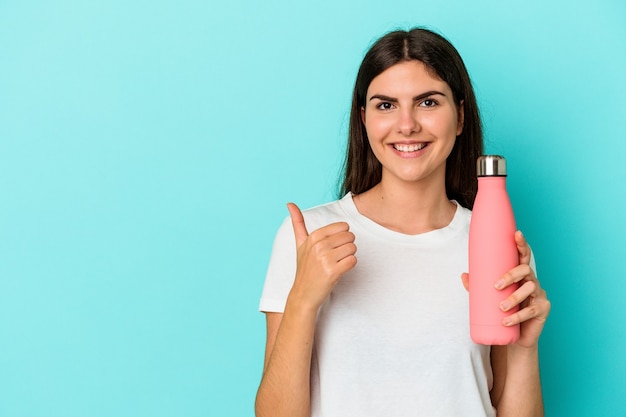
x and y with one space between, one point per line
362 170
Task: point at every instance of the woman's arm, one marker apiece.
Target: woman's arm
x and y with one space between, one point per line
517 384
322 258
284 389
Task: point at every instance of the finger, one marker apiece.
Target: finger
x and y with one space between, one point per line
346 264
329 230
537 310
465 280
344 251
516 274
522 293
522 248
334 247
297 221
339 239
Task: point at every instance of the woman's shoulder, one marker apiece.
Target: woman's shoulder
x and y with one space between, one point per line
330 212
314 218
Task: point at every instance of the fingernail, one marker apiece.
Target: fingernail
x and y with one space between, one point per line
504 306
500 284
507 321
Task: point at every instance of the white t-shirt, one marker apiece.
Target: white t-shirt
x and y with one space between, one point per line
392 339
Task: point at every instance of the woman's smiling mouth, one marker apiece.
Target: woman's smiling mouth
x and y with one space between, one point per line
414 147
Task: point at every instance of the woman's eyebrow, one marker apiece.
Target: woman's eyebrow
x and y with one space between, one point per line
383 97
427 94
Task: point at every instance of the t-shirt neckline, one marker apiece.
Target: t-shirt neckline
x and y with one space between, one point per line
365 223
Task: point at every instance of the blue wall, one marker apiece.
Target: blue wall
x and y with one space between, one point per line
147 150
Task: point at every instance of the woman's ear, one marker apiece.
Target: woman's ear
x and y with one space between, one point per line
461 119
363 114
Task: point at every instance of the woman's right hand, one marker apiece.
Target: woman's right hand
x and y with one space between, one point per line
322 258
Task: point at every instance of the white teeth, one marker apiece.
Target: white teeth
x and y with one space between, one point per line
409 148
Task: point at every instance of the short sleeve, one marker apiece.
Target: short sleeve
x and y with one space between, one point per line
281 270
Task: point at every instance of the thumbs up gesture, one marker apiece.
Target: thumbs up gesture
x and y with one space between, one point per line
322 258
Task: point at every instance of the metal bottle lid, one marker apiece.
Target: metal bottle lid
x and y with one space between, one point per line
491 166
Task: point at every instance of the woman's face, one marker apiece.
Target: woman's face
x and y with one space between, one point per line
412 122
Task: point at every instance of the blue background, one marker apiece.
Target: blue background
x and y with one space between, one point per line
148 148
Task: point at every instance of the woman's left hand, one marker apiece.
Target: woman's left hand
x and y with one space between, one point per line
534 306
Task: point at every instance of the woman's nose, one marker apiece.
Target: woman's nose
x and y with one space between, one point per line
407 122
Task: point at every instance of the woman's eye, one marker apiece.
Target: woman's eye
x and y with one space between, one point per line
429 102
384 106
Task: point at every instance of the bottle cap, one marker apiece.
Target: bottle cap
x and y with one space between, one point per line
491 166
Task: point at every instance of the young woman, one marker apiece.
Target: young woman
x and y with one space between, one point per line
388 335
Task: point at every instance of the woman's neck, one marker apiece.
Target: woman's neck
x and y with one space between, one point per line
407 207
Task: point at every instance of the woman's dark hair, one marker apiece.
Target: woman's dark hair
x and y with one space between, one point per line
362 170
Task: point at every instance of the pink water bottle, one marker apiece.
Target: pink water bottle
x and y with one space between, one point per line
492 252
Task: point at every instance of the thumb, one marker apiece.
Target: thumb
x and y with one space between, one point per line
465 279
522 248
297 221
